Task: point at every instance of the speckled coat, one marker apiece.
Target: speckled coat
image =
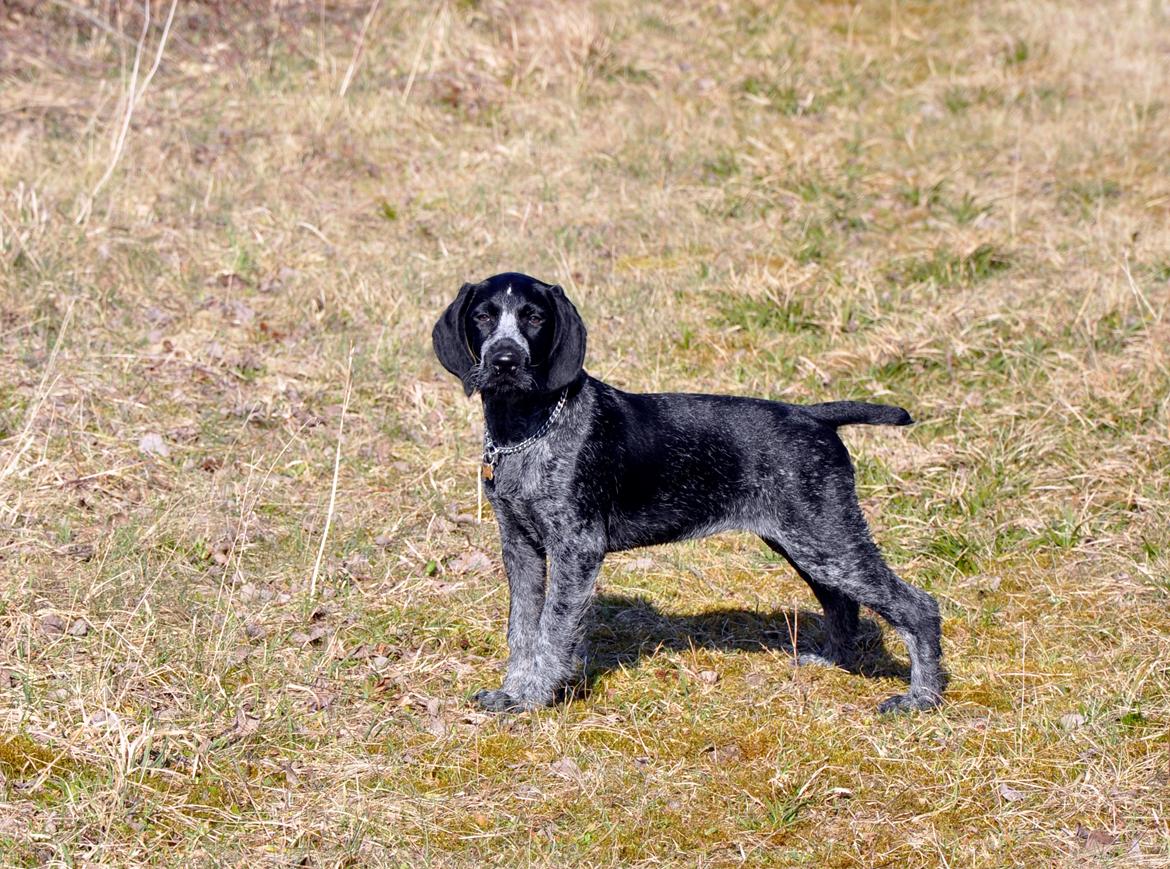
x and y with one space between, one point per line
617 470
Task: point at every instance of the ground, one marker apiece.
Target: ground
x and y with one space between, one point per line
245 589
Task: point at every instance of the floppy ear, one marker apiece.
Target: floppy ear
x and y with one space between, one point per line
568 351
449 337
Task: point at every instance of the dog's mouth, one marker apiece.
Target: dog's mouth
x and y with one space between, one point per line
483 377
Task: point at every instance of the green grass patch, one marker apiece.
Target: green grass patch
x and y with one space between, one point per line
945 268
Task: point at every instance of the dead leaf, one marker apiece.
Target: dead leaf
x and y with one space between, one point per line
755 680
275 283
221 552
1072 721
361 653
314 637
472 561
230 280
641 564
53 625
247 362
708 677
1094 839
566 768
442 525
183 433
290 775
357 566
153 444
723 755
79 628
246 724
386 685
80 551
1010 794
320 699
102 716
239 655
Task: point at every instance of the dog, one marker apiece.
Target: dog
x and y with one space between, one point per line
575 469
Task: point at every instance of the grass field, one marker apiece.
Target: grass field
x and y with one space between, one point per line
244 595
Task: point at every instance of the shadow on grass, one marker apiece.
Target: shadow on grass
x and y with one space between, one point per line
628 629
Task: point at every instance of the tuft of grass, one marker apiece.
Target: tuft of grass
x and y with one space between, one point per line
1017 53
967 209
722 166
1084 196
945 268
771 315
786 99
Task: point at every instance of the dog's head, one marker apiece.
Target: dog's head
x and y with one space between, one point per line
511 333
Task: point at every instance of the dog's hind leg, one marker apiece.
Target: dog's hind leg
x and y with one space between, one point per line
853 567
839 632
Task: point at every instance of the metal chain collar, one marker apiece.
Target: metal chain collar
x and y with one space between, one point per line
492 453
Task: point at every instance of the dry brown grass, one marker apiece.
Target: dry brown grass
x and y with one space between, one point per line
963 207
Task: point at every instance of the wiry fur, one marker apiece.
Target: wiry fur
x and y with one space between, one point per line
621 470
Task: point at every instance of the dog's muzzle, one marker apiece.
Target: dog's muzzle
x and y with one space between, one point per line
505 365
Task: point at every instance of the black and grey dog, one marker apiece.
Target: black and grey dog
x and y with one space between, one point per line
575 469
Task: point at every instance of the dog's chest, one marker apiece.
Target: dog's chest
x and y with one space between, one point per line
535 486
524 478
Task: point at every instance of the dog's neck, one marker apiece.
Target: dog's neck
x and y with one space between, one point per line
512 417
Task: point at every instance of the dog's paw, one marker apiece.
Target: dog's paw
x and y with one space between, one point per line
810 659
827 657
503 700
499 701
912 701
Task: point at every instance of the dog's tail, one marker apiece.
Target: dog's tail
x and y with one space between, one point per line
838 413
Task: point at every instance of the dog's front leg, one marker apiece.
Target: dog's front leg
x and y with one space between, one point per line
573 569
572 574
524 563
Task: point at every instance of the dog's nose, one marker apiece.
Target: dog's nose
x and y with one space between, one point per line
506 361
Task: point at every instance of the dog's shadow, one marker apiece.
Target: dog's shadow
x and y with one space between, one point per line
627 629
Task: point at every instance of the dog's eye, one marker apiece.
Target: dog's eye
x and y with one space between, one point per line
535 320
482 318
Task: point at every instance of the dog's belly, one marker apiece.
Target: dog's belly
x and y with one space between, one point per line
622 536
664 524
